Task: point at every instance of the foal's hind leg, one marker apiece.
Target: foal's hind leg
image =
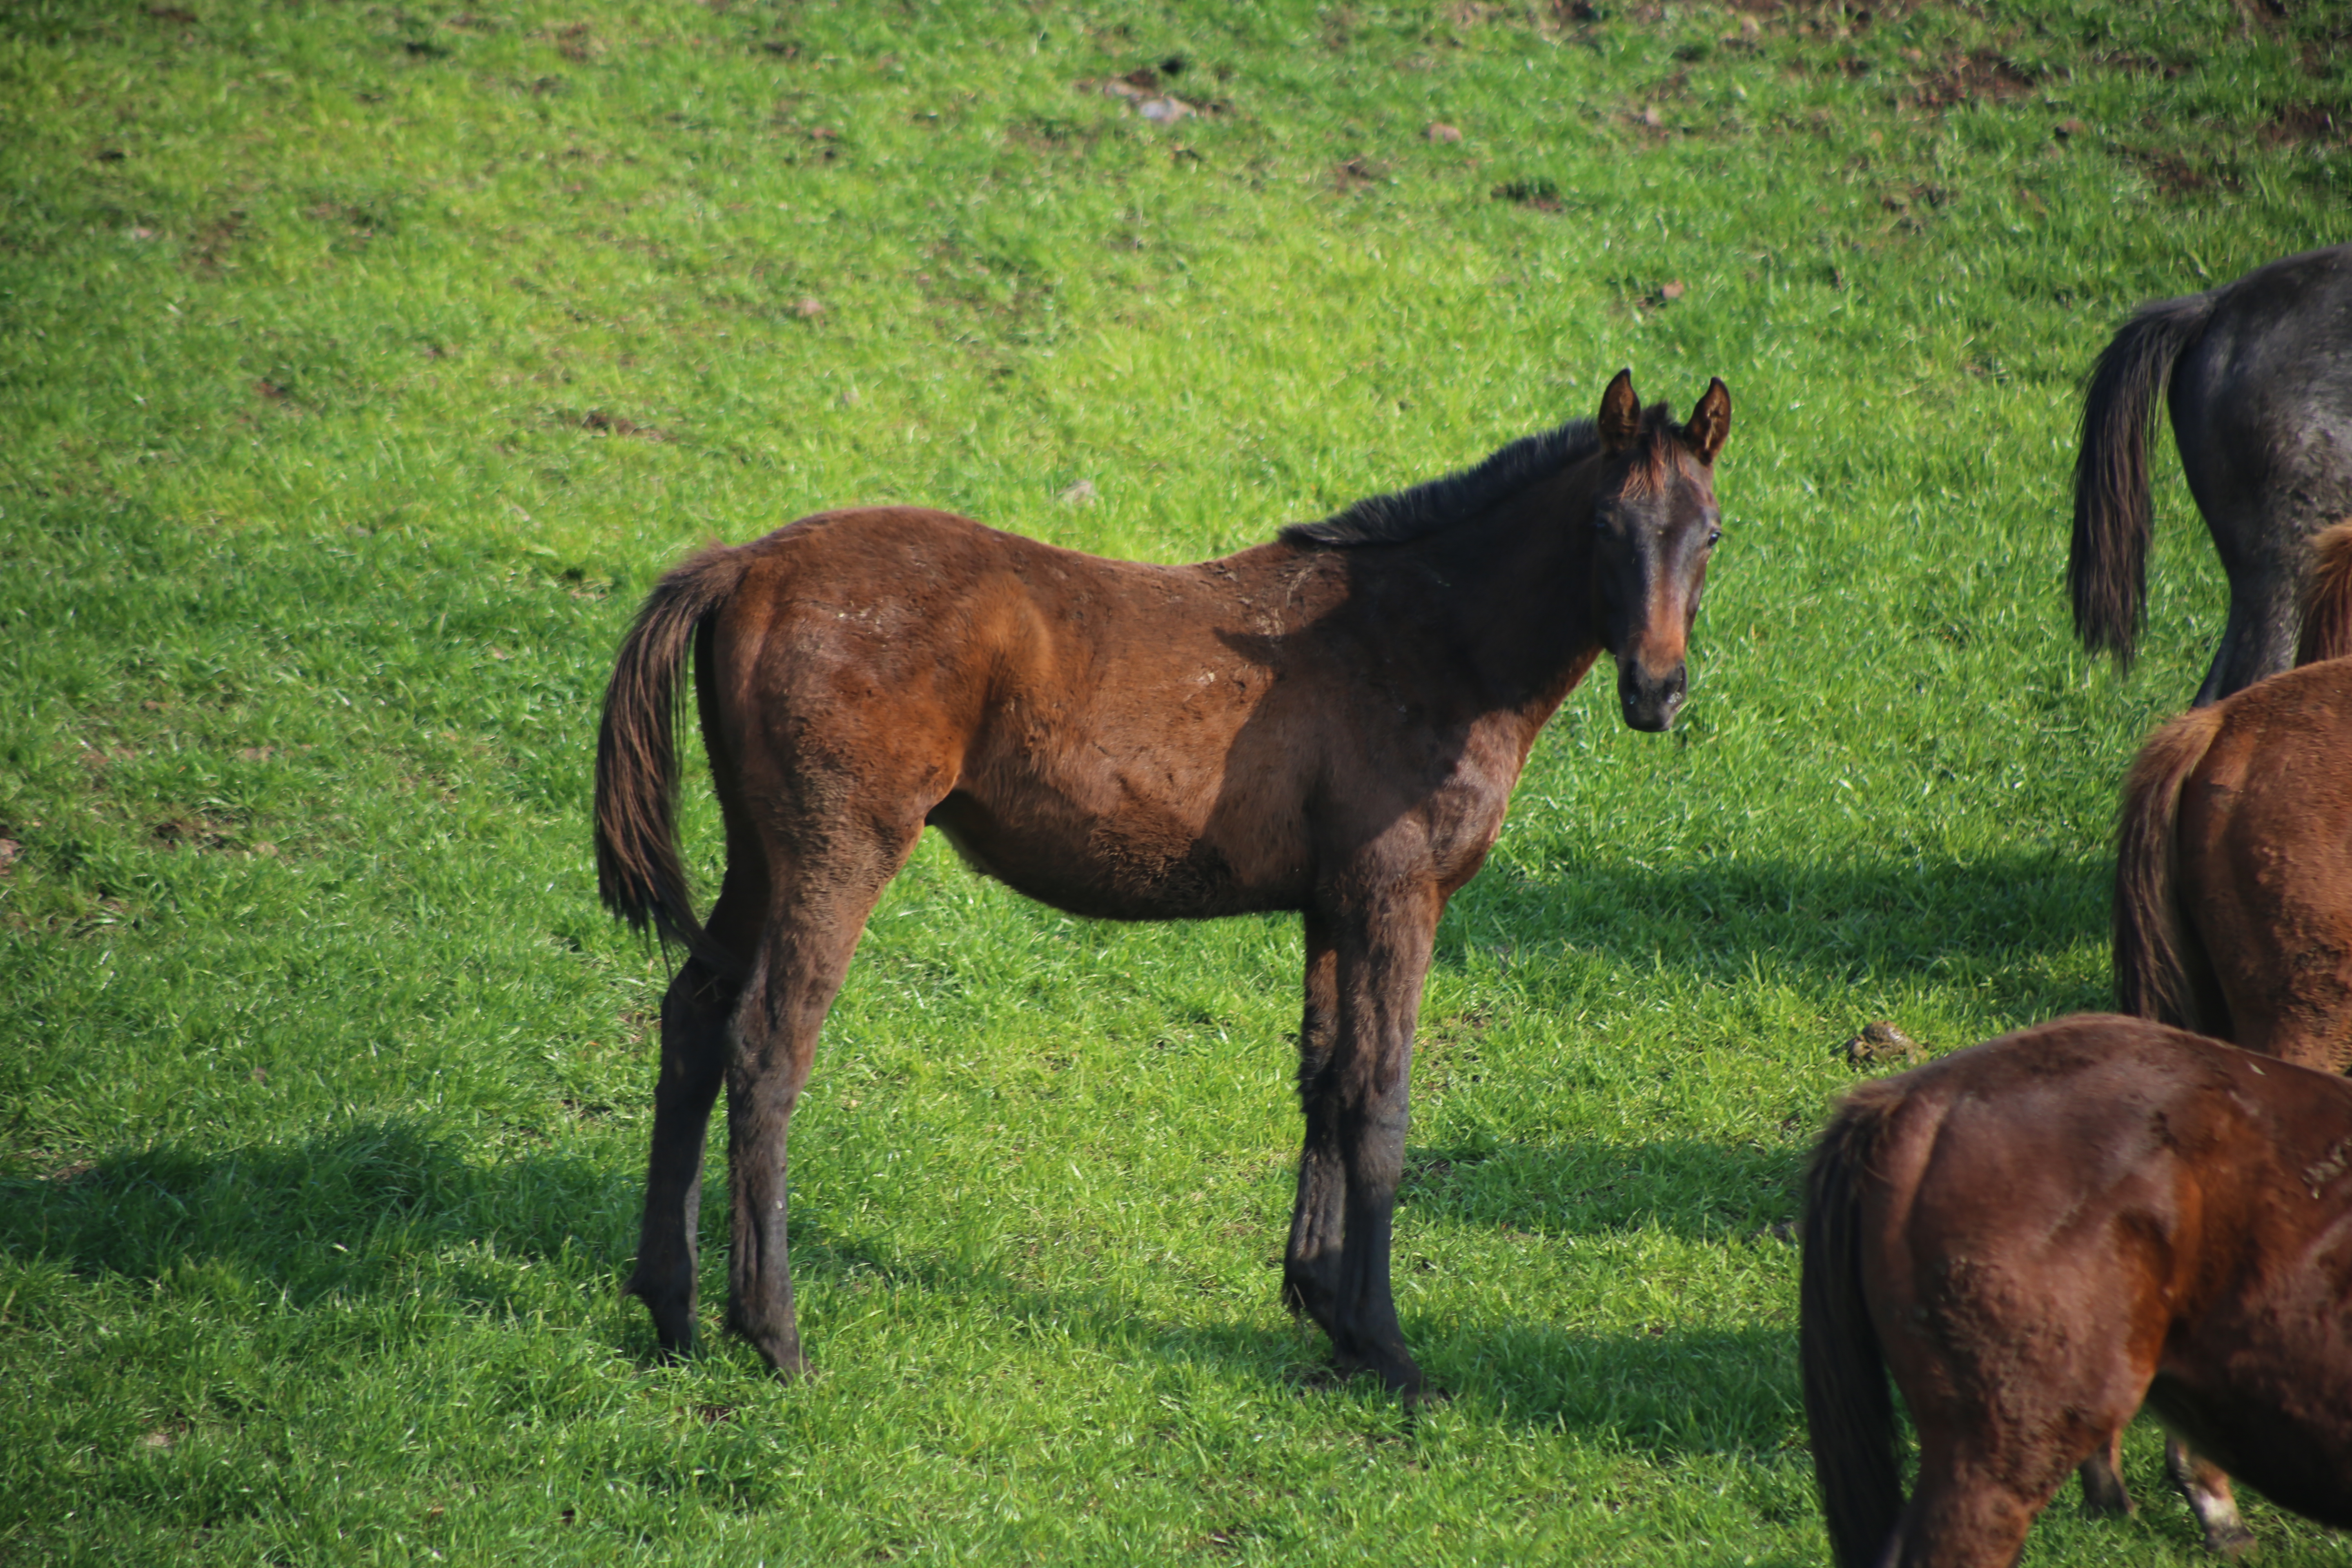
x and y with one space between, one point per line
2264 554
694 1021
821 907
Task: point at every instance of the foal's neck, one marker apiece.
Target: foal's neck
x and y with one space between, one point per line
1520 604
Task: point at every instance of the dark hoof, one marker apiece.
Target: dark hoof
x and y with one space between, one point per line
782 1351
1307 1298
673 1318
1399 1376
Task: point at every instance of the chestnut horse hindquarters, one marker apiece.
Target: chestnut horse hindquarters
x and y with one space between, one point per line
2048 1230
2233 898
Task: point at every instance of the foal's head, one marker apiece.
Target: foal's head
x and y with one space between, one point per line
1654 522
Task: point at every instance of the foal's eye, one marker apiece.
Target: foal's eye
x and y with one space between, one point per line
1714 537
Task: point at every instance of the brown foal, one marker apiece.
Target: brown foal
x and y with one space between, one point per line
1331 722
2035 1235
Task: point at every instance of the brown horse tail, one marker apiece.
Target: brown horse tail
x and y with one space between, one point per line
1848 1410
2160 973
639 873
2327 597
2106 570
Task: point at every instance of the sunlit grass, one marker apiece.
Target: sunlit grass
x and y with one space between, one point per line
360 369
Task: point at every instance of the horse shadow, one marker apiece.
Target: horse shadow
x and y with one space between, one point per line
1988 923
347 1211
355 1211
1685 1187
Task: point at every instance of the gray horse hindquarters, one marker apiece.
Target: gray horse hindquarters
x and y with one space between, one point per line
2258 377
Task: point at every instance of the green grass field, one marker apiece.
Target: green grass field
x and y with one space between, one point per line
361 367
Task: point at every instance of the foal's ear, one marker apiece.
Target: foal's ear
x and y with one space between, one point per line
1710 422
1620 413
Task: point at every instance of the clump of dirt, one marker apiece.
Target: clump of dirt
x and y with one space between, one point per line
2173 175
1881 1044
1978 77
1540 194
192 833
605 424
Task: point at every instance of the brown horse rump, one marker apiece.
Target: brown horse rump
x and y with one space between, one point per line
2032 1236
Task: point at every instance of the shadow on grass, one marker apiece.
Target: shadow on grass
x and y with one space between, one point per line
1833 921
363 1211
1686 1187
340 1212
1663 1390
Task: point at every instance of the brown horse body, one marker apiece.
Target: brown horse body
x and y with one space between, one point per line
2234 899
2035 1235
1331 722
2233 863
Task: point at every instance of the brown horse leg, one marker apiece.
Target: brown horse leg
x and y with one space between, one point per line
1960 1517
693 1056
694 1019
2102 1481
1357 1110
2207 1488
1311 1264
810 937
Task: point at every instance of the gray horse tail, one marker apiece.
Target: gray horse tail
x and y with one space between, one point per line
2106 570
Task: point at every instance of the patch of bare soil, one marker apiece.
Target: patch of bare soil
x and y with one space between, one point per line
1977 77
2306 125
606 423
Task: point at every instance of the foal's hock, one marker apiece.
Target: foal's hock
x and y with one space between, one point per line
1331 722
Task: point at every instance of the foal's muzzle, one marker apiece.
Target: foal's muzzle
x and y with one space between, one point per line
1650 701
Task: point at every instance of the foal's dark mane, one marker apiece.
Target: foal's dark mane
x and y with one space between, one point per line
1402 516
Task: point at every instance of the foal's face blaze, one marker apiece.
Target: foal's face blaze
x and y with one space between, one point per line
1655 524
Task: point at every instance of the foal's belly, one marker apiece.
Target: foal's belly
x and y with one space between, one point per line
1134 865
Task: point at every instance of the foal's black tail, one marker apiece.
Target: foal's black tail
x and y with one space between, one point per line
639 873
2106 570
1848 1409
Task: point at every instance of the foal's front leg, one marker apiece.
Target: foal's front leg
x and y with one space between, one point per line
1356 1102
1318 1220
